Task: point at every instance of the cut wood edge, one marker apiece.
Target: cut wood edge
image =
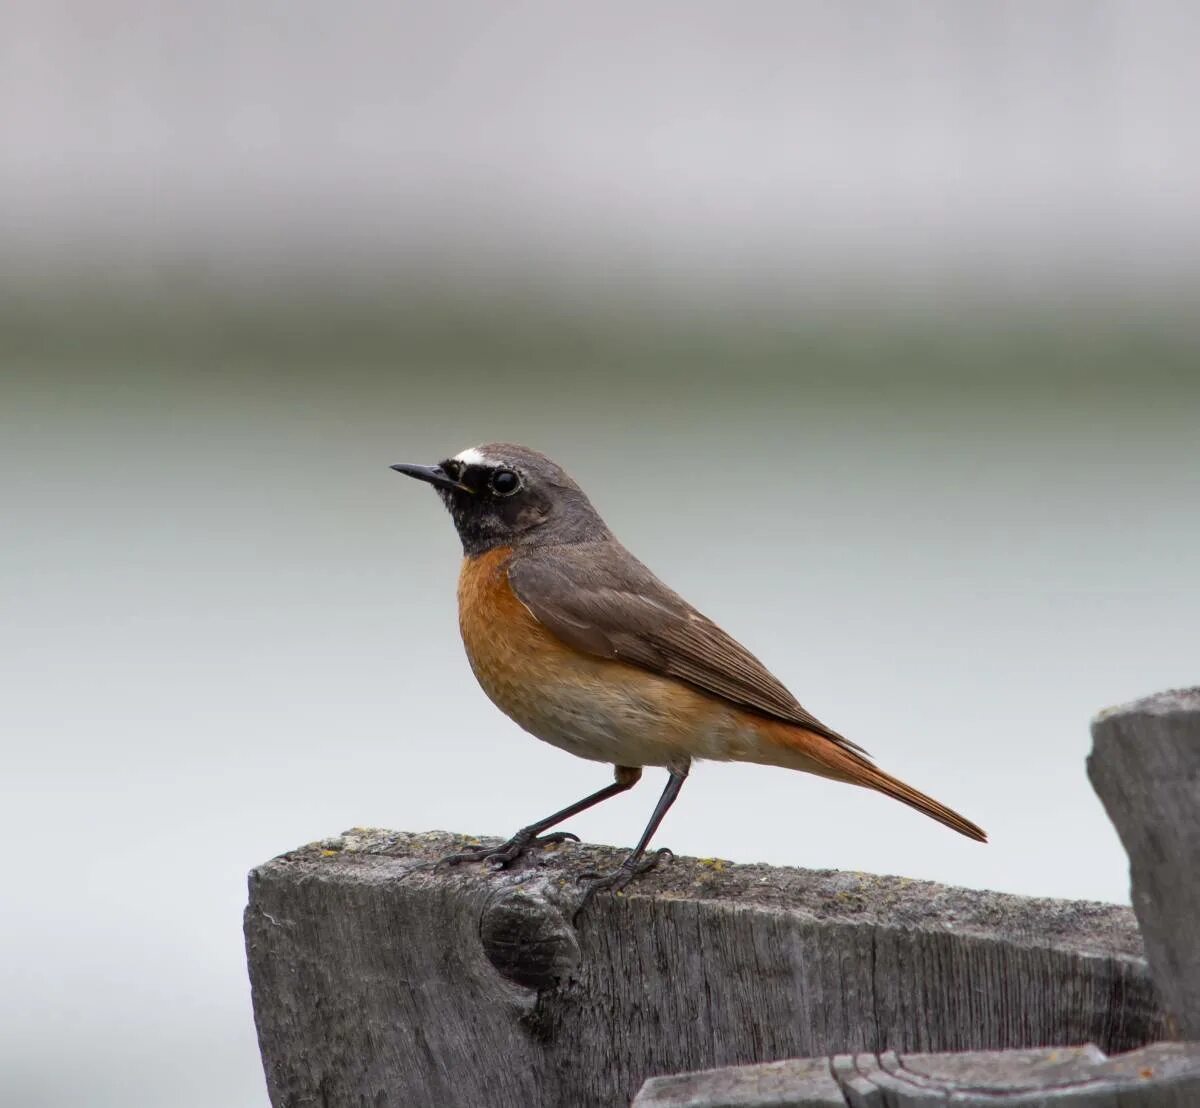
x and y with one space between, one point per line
1162 1074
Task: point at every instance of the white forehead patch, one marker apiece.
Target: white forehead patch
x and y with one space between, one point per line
472 456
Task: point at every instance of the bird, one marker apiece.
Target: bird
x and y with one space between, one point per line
574 639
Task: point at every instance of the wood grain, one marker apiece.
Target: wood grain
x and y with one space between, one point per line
1165 1075
380 981
1145 765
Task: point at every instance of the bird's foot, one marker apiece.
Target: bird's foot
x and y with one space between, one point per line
503 856
621 876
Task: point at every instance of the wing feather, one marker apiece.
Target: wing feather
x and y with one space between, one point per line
599 599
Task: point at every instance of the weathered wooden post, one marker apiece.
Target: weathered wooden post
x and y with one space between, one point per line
1145 766
381 980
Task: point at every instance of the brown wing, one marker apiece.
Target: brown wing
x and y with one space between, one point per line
598 598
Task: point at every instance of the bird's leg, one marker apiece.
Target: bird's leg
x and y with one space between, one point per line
635 863
504 855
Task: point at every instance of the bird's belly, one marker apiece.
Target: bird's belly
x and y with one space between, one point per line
596 708
594 716
612 713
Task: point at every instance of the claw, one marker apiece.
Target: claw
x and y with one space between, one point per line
556 837
502 856
617 879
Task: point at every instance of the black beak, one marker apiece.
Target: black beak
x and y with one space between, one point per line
435 475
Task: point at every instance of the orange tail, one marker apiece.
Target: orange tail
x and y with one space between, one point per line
844 764
874 778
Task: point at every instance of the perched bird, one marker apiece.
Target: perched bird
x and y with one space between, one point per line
580 644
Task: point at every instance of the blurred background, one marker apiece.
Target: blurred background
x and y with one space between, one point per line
871 327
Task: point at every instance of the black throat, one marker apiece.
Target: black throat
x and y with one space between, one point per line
565 518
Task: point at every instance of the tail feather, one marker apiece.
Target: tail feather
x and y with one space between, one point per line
817 754
875 778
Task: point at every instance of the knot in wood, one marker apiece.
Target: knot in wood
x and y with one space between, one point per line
528 938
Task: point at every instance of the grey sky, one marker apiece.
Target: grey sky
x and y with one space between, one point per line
768 148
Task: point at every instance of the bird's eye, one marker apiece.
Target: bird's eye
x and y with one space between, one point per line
452 469
504 482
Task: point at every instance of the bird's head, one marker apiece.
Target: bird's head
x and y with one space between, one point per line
502 494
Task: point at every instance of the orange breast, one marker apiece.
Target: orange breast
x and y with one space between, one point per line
596 708
509 650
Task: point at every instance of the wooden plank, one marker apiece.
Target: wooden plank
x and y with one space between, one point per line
379 980
1164 1075
1145 765
804 1082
